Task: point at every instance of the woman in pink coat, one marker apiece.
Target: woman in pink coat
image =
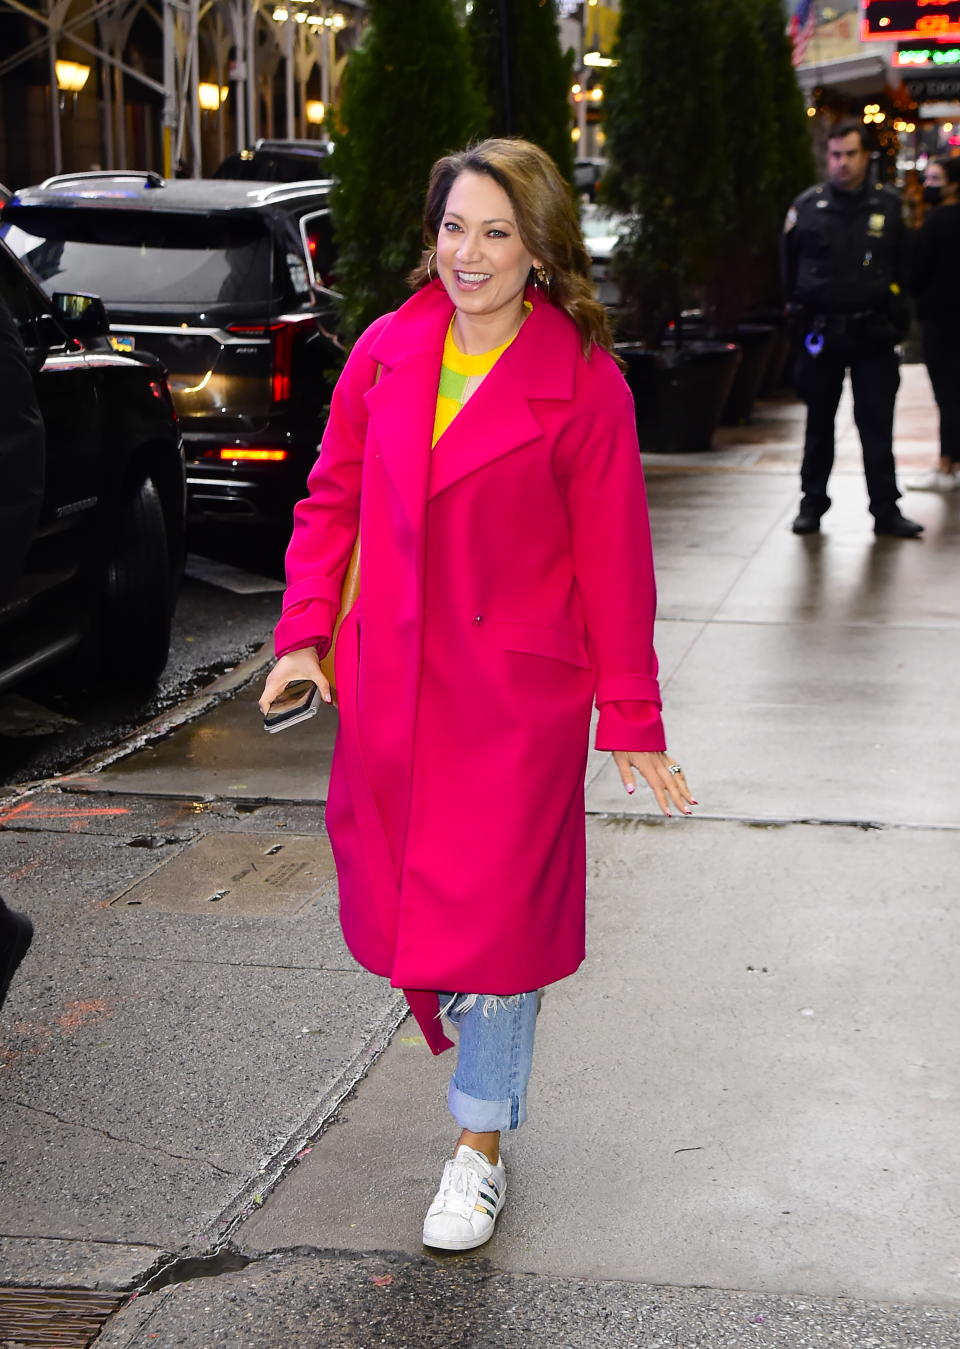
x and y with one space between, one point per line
482 440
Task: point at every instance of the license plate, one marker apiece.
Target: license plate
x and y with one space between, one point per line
123 343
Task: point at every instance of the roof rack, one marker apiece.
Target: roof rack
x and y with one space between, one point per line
281 191
271 143
150 179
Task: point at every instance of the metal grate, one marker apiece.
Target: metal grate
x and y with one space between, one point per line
237 874
53 1318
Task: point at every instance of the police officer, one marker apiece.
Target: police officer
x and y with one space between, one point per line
844 259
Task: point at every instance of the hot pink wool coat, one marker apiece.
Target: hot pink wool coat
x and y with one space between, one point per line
506 582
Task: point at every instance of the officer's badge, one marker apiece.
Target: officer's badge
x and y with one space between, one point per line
791 220
823 205
877 222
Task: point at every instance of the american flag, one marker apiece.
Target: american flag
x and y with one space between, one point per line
803 22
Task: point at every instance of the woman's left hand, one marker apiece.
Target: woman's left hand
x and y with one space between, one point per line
655 767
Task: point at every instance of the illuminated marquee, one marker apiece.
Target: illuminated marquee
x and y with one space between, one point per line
883 20
928 58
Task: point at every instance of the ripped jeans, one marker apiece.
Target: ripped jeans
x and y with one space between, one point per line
488 1090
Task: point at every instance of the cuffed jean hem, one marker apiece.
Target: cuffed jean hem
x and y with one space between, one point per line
482 1117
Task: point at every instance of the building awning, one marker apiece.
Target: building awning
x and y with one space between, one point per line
855 74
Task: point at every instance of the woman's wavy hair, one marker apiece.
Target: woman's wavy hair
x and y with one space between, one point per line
546 220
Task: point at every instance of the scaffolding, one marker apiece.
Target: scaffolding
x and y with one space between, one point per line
244 45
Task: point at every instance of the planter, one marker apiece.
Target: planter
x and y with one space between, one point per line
777 375
679 393
756 341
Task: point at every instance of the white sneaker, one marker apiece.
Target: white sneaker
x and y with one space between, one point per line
467 1203
934 481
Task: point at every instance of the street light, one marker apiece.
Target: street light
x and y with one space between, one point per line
315 111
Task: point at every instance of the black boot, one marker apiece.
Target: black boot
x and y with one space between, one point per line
898 527
807 521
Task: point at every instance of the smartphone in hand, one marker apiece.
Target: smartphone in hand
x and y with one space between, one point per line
297 701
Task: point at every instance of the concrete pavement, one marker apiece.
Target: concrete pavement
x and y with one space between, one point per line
744 1107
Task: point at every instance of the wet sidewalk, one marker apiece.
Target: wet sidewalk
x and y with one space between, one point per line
744 1110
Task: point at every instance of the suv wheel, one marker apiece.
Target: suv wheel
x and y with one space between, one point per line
137 609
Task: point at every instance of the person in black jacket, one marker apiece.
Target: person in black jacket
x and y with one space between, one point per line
22 453
843 258
936 286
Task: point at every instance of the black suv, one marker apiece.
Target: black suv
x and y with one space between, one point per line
104 554
269 161
229 284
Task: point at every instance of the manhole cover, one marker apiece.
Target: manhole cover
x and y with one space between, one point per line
246 874
39 1318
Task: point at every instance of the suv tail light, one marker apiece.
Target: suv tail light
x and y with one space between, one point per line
161 391
283 335
238 453
260 456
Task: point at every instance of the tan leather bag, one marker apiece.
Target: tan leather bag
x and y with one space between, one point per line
349 594
348 598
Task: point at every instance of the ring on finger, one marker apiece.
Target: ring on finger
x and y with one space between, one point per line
674 769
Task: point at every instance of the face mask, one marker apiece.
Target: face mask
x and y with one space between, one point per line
933 196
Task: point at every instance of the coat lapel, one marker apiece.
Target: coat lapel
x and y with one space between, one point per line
402 403
401 415
539 364
497 419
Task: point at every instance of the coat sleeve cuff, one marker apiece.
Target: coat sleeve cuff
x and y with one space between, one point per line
312 588
308 623
632 725
628 688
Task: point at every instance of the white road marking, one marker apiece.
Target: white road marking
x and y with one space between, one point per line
225 576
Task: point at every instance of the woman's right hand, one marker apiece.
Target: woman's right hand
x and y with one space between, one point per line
302 664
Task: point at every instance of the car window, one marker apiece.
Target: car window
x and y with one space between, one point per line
144 257
317 231
602 224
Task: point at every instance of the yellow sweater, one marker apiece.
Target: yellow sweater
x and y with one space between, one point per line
460 377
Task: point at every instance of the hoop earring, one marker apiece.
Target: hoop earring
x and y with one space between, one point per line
430 259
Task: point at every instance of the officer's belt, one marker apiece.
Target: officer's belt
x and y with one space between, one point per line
845 314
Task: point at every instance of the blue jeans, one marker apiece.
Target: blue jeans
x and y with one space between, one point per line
488 1090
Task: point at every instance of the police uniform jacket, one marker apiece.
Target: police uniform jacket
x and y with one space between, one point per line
844 252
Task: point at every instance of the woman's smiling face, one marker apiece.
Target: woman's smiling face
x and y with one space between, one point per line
481 258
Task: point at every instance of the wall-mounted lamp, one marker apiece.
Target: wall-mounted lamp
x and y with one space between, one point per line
211 96
71 76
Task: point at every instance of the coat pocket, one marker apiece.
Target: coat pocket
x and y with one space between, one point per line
533 640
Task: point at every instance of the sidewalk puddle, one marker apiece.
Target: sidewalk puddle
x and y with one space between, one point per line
196 1267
